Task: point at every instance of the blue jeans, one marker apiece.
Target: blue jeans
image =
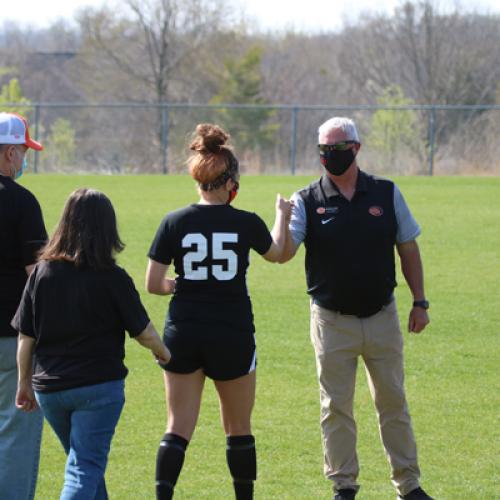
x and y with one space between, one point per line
84 419
20 432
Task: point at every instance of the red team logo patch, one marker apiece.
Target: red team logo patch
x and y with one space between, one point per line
320 210
375 211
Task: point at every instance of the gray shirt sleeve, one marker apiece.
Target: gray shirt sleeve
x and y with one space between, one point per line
408 229
298 221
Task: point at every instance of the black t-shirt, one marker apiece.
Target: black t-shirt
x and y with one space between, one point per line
209 245
22 234
78 317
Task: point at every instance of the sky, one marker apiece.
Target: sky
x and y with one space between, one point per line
308 15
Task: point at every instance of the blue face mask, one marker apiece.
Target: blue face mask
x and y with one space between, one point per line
24 166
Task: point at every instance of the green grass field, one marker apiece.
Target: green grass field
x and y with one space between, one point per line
452 378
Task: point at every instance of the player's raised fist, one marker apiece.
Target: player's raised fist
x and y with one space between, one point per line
283 205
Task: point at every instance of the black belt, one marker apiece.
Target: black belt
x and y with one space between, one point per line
366 313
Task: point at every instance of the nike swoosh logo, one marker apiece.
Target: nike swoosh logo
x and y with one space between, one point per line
327 220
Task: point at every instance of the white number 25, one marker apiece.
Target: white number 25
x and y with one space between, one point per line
200 252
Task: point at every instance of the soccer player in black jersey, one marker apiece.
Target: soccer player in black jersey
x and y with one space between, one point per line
209 327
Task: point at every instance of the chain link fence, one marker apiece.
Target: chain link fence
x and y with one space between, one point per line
116 138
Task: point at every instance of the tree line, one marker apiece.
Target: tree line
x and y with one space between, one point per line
205 52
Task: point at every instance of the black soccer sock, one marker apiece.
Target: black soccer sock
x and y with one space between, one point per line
242 462
169 462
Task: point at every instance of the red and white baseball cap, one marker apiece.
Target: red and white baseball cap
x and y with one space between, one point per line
14 130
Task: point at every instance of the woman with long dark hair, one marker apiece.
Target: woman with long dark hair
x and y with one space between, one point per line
209 327
72 319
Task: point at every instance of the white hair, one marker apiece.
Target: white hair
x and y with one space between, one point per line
346 124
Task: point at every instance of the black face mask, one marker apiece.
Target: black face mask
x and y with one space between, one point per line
337 162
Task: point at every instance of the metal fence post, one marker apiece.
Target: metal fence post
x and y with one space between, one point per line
293 144
37 129
162 126
164 138
432 133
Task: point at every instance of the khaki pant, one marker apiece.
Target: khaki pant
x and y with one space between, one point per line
338 340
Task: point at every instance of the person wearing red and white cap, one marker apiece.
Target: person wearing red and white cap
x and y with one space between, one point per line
22 234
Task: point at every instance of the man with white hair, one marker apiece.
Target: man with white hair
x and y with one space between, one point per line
350 222
22 233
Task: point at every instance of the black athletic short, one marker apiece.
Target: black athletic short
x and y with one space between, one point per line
218 338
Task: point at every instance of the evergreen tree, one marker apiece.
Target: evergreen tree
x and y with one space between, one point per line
242 84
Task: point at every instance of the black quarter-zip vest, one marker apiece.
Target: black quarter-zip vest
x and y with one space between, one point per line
350 245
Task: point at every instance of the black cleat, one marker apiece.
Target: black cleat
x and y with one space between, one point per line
416 494
345 494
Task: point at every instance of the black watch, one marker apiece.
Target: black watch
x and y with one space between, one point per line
424 304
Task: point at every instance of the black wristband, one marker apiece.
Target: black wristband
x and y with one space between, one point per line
424 304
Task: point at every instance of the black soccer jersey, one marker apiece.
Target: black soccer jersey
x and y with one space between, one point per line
209 245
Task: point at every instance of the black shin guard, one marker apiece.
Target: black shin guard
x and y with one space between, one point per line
242 462
169 462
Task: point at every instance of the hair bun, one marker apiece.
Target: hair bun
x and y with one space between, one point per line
209 138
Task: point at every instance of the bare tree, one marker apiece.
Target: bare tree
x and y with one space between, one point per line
435 58
151 40
448 54
141 54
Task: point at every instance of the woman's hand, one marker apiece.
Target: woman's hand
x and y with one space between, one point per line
169 285
150 339
25 397
163 356
284 207
156 279
280 231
